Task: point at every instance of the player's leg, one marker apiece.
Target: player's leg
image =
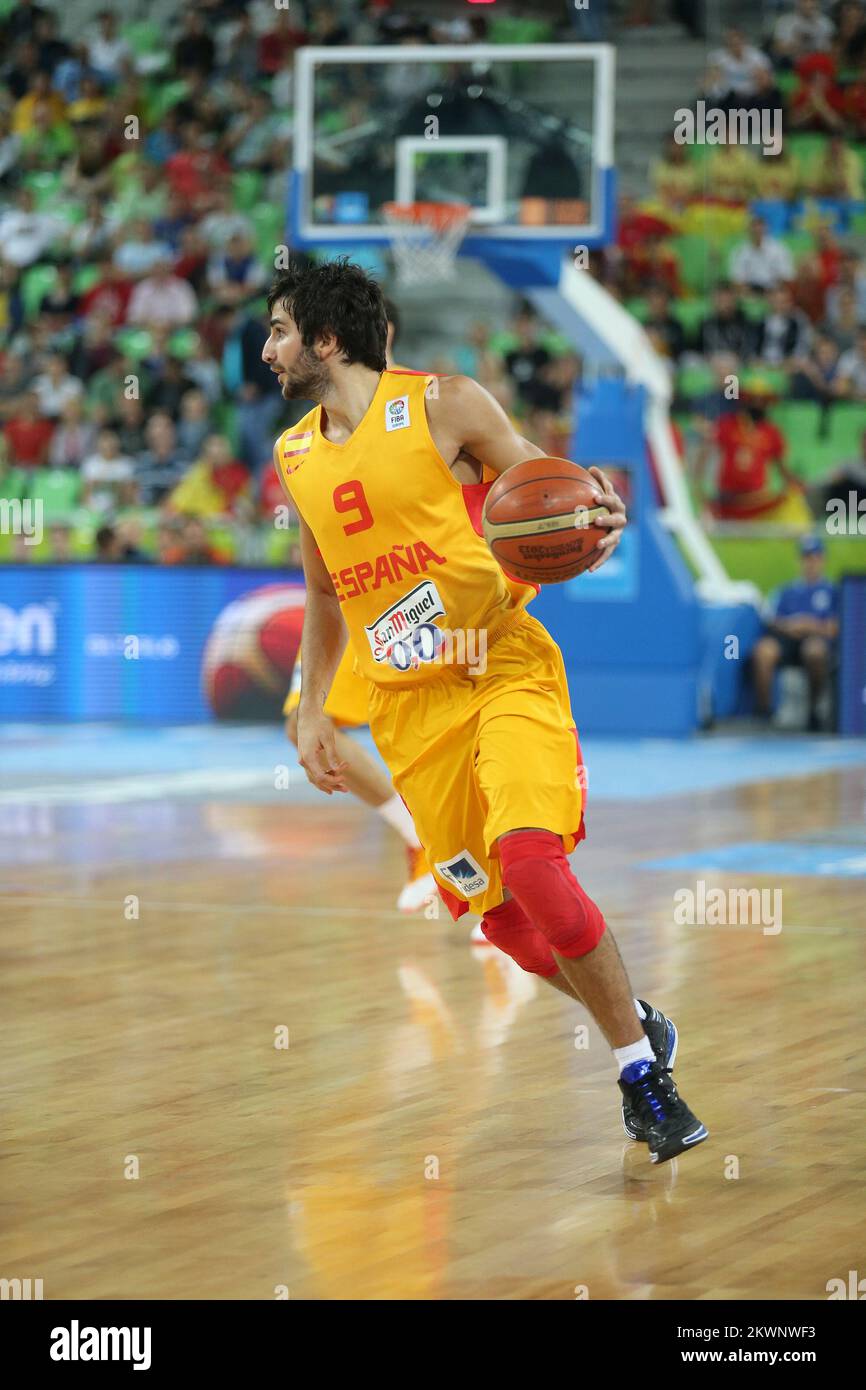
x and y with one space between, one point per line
766 655
368 780
815 656
526 770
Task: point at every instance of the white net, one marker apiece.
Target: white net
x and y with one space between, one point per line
425 238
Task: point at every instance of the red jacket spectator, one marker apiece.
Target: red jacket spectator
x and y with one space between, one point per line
818 103
28 435
747 449
193 173
277 46
109 297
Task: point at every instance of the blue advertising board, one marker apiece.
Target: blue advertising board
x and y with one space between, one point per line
116 642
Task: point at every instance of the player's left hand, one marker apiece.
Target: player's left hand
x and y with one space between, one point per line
613 523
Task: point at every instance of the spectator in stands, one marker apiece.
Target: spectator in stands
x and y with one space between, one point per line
39 97
195 172
138 251
194 425
846 478
224 221
726 329
723 397
784 333
108 298
93 349
160 468
170 385
107 475
10 146
21 72
25 234
801 630
197 549
235 274
27 433
733 174
748 444
524 363
60 539
258 135
850 275
852 370
60 303
815 375
661 321
130 421
779 176
259 405
91 239
73 440
11 302
738 63
109 55
273 50
818 103
213 485
204 371
850 39
675 178
760 263
162 297
195 50
801 31
55 386
842 320
14 382
22 20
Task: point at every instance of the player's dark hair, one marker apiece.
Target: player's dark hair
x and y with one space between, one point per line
392 313
336 297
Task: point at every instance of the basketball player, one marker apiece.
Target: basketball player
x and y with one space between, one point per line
383 473
346 707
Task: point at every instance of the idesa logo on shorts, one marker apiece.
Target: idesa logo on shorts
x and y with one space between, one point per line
405 634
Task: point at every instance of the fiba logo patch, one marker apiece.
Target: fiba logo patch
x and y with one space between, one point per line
397 414
464 873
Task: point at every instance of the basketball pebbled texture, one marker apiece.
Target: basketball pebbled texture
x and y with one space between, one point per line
529 520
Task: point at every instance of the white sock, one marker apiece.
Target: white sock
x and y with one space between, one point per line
395 813
635 1052
641 1012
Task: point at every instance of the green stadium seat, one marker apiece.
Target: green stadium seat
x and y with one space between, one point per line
697 261
690 313
695 381
247 189
163 96
847 427
770 378
805 147
133 342
85 278
184 342
46 187
57 489
145 37
798 420
508 29
13 483
754 308
798 243
36 281
638 308
270 230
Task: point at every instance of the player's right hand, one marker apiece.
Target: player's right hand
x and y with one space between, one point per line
317 753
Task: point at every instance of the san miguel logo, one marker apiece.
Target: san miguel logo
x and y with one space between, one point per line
393 630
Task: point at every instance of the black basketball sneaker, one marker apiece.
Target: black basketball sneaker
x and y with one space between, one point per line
664 1041
667 1122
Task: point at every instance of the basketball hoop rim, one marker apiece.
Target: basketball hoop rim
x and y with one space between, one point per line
427 216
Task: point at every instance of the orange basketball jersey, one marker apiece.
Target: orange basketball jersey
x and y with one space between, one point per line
399 534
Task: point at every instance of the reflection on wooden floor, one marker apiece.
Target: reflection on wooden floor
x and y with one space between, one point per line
431 1131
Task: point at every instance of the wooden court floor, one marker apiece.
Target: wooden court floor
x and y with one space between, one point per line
434 1127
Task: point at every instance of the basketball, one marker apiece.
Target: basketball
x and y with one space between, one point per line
538 520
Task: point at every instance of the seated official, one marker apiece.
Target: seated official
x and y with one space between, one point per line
802 627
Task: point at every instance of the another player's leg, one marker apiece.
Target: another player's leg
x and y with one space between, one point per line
367 780
536 872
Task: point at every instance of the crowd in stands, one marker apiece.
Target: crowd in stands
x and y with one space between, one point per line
746 267
142 187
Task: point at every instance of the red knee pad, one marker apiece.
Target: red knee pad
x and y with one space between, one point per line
508 927
536 873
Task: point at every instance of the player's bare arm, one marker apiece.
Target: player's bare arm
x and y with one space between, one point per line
468 423
322 644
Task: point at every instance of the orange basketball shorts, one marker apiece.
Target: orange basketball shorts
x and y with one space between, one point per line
476 755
